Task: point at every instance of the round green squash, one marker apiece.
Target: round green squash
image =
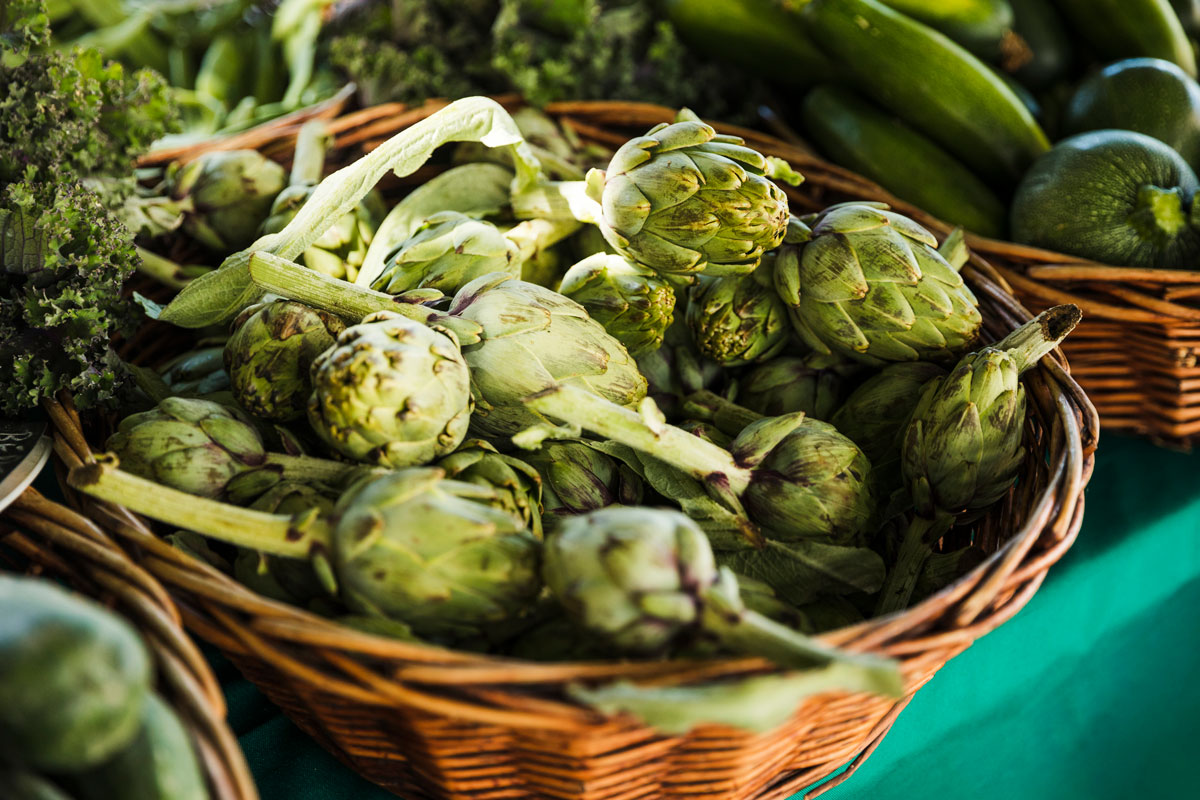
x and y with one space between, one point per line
1147 95
73 678
1119 197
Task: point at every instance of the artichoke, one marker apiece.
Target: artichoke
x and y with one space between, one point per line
795 476
631 302
286 579
341 249
391 392
518 485
577 478
647 580
962 447
684 199
449 251
811 383
196 372
677 368
207 449
707 430
871 286
738 319
533 339
270 353
225 195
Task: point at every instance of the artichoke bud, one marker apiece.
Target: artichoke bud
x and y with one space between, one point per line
438 554
447 252
738 319
270 354
631 302
196 446
391 392
231 192
577 478
684 199
872 286
518 486
759 438
811 383
708 431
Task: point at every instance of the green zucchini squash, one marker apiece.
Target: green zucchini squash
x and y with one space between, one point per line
1119 197
73 678
759 36
1045 49
1131 28
1147 95
930 82
852 132
978 25
159 764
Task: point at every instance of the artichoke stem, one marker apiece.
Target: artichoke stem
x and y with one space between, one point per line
308 468
704 461
308 164
749 632
163 270
556 200
277 534
915 550
728 416
1028 343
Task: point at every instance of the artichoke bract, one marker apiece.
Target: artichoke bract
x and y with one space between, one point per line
633 303
738 319
270 353
812 383
872 286
208 449
647 580
446 253
963 446
684 199
577 478
518 485
532 339
340 251
677 368
226 195
792 475
391 392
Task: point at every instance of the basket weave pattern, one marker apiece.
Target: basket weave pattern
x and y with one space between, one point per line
432 723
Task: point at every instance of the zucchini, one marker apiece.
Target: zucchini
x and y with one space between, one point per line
759 36
1147 95
73 678
859 136
931 83
978 25
1045 50
1119 197
1131 28
159 764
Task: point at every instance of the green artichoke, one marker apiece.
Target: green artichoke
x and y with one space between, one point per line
794 476
647 580
738 319
872 286
684 199
631 302
577 478
518 485
207 449
962 447
449 251
225 195
270 353
391 392
707 430
533 339
286 579
196 372
812 383
341 249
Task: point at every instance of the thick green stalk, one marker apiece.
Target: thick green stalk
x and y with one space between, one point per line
703 460
1028 343
914 551
291 537
308 164
728 416
308 468
166 271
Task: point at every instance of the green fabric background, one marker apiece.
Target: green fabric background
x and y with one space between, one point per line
1089 692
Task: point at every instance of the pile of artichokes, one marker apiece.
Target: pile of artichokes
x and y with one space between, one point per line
708 427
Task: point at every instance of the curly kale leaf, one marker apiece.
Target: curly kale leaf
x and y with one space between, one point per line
63 260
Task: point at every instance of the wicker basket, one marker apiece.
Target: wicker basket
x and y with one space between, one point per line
65 544
431 723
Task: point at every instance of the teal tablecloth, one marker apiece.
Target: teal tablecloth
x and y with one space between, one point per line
1090 692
